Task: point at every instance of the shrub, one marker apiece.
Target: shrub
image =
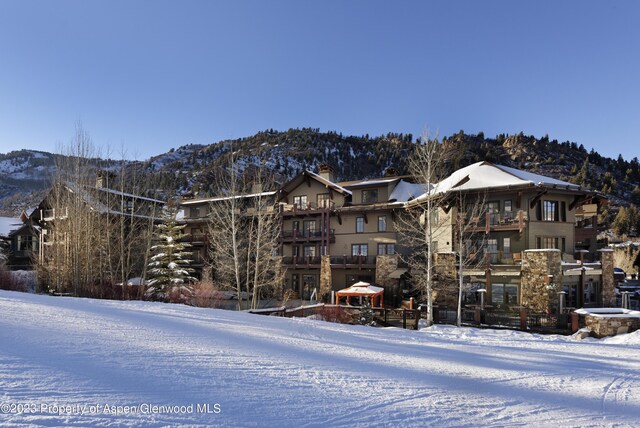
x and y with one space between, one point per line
335 314
206 295
8 281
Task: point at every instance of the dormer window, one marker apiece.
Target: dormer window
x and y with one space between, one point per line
369 196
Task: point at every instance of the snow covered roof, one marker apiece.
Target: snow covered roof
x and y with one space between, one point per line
485 175
8 225
225 198
405 191
328 183
376 182
360 289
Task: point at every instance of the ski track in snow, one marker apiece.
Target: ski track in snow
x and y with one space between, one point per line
269 371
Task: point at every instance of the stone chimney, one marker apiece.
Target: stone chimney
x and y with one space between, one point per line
326 171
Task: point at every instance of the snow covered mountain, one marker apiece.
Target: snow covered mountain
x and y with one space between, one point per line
24 175
189 169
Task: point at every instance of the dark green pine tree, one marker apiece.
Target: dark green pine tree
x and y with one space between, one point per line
169 268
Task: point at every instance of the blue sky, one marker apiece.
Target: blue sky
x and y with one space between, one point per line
146 76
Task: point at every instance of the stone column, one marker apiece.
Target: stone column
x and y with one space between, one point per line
445 265
325 276
608 283
385 265
536 292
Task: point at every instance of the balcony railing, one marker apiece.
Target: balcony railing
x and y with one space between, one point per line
308 207
302 261
499 221
309 235
353 261
194 238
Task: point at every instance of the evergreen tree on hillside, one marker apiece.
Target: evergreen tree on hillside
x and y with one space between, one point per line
169 268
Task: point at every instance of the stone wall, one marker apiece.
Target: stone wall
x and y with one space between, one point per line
536 292
604 327
445 279
385 265
608 282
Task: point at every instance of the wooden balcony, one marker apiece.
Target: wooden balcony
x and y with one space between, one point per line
302 262
353 262
289 236
495 222
307 209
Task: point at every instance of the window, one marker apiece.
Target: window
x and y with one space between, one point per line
504 294
323 200
309 284
506 247
295 225
309 228
382 223
309 250
359 224
369 196
300 202
493 209
508 210
492 249
359 249
551 242
384 249
195 212
295 251
550 211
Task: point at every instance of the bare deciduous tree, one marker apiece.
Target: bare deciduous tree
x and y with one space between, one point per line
419 223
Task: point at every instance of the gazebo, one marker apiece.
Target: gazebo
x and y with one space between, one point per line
362 289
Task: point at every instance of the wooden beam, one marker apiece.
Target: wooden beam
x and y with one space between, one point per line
577 201
535 200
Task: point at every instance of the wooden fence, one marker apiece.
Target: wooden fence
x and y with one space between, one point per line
405 318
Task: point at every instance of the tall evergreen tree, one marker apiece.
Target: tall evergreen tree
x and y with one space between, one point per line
169 267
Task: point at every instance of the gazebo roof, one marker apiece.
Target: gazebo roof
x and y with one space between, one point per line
360 289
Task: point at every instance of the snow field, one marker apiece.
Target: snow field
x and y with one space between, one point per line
268 371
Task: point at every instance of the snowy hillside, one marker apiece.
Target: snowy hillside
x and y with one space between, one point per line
136 363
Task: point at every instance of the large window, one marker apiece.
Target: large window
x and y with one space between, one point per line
386 249
309 228
309 250
493 209
492 249
550 211
369 196
359 224
506 247
323 200
508 210
300 202
551 242
382 223
359 249
504 294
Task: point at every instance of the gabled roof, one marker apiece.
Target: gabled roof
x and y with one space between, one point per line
486 176
299 179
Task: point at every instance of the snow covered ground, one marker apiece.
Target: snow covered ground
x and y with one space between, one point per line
81 362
